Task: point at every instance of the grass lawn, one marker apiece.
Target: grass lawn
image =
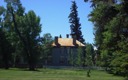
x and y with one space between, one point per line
55 74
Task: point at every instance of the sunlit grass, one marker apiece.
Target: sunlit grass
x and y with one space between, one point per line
55 74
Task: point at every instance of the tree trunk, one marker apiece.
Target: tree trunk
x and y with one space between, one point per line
31 65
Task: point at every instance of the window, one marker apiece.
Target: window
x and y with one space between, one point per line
61 59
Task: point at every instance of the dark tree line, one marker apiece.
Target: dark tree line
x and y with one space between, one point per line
20 40
110 18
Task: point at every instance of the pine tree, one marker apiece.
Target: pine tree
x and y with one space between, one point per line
111 34
75 24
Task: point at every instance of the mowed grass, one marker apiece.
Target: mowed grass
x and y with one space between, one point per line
55 74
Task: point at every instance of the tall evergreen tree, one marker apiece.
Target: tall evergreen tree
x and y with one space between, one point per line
75 24
110 19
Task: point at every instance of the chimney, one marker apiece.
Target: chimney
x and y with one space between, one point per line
60 36
56 40
67 35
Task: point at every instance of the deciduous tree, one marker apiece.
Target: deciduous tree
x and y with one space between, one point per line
27 28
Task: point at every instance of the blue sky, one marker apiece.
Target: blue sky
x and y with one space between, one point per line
54 16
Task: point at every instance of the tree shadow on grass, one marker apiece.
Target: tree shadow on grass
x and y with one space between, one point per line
25 69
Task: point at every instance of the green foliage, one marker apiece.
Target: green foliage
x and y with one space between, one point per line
5 46
89 54
2 10
79 57
111 39
89 57
30 33
46 48
23 33
75 25
5 50
71 57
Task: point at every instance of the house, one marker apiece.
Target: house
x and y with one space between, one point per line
62 50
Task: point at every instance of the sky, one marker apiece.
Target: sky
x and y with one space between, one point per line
54 16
